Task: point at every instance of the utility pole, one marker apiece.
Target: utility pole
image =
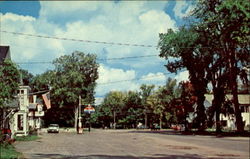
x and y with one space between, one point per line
79 117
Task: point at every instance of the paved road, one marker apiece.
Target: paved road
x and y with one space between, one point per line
128 144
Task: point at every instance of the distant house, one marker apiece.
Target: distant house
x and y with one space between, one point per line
192 115
28 116
244 104
228 121
4 53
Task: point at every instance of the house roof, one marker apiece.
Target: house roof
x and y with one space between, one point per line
243 98
4 52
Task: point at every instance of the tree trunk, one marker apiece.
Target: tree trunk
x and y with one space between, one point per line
146 120
201 115
239 122
161 121
234 88
114 125
217 102
217 117
185 119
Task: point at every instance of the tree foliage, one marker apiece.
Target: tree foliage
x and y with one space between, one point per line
213 48
74 75
186 47
9 79
225 25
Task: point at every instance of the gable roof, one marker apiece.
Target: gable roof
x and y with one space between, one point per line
4 52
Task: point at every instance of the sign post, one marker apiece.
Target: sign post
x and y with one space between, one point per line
89 109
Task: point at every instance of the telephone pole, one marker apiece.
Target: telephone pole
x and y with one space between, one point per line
80 117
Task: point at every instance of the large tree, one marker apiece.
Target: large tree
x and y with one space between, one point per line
74 75
226 26
185 47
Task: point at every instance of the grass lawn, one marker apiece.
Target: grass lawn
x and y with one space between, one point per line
26 138
8 151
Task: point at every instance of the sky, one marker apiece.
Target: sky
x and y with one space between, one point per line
125 22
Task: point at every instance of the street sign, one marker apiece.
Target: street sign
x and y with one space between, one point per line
89 109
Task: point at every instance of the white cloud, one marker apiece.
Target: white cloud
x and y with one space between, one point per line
182 9
158 77
108 78
182 76
137 22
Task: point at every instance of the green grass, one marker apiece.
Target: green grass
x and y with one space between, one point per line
27 138
8 151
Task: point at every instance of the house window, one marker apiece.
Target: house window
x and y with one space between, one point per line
223 123
20 122
247 108
21 91
242 109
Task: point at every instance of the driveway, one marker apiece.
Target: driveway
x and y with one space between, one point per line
128 144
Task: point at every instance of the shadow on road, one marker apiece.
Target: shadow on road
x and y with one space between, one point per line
172 132
156 156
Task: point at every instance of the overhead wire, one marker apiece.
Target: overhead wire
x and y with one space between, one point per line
77 40
92 41
98 59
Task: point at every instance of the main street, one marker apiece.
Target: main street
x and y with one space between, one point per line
133 144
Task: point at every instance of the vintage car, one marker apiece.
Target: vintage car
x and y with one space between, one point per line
53 128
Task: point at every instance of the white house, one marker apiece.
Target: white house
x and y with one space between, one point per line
244 103
28 116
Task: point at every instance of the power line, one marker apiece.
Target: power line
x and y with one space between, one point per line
77 40
98 59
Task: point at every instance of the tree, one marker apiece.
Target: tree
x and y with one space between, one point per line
74 75
133 109
226 23
8 85
186 101
26 77
43 81
8 82
185 46
146 91
162 100
113 104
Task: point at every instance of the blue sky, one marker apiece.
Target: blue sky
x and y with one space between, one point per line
130 22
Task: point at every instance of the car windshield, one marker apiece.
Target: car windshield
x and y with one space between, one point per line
53 125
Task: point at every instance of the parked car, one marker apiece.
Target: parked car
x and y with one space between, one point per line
53 128
155 127
141 127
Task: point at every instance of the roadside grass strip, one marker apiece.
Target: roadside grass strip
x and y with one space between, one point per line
7 151
27 138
